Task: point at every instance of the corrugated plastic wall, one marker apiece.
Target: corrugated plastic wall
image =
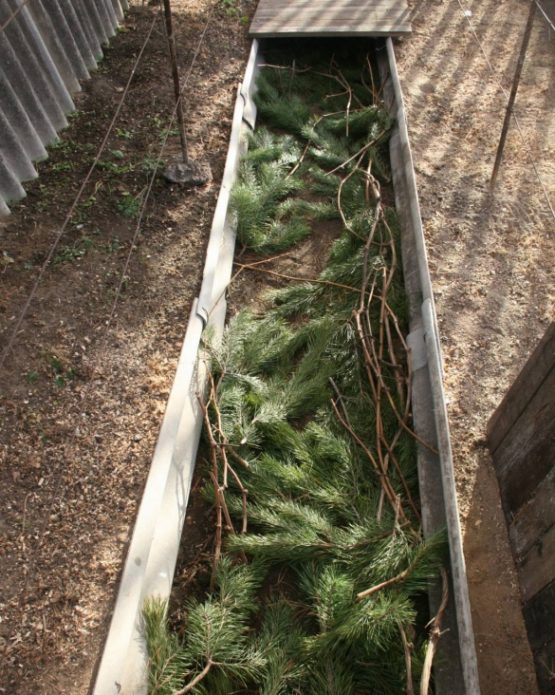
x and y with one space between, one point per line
46 47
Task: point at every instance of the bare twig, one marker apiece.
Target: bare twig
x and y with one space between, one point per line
196 680
384 480
407 648
435 634
388 582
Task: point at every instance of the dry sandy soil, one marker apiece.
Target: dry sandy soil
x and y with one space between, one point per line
81 401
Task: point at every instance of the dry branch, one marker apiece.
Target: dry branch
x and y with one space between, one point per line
435 634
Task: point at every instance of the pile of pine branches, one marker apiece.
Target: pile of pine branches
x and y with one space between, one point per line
319 573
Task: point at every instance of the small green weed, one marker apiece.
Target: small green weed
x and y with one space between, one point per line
156 121
129 205
125 134
60 373
65 146
56 364
31 377
231 7
113 246
62 166
69 254
114 167
151 164
166 133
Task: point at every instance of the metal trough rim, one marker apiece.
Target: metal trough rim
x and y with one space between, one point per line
428 390
152 554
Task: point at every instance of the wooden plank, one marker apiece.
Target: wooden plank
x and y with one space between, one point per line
537 569
296 8
535 371
527 453
539 615
544 661
329 18
327 32
534 518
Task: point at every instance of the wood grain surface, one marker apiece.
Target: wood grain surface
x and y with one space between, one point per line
331 18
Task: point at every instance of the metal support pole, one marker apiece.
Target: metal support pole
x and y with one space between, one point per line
176 82
514 89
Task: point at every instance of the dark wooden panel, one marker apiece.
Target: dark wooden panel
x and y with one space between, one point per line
527 453
539 615
537 568
534 518
544 662
329 18
523 390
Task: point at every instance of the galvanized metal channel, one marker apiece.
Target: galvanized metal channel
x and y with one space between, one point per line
46 49
152 555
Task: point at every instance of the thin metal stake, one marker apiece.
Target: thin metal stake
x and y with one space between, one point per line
514 89
176 82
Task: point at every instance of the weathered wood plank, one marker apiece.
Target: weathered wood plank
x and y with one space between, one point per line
327 31
527 453
537 569
544 660
383 6
534 518
328 18
539 615
535 371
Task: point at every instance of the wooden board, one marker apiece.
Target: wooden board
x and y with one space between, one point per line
536 569
539 615
534 518
534 373
527 454
330 18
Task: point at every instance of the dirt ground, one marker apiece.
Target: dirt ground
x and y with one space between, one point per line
81 402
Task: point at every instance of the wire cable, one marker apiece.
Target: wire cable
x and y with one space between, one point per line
517 122
156 168
123 276
13 15
76 201
546 16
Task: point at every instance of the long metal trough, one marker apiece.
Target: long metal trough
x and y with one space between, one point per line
152 555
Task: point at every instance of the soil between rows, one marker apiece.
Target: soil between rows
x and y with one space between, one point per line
81 402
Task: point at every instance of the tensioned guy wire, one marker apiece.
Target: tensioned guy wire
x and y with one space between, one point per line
13 15
78 197
156 167
517 122
546 16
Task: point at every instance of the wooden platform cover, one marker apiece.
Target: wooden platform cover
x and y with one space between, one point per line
330 18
